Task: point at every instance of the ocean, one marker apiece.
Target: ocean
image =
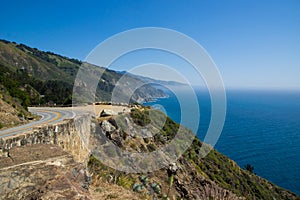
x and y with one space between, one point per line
262 128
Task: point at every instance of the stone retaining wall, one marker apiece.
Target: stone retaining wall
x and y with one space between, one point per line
72 135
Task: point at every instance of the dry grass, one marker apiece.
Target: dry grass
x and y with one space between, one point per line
105 190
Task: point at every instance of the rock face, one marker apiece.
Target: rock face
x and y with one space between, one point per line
34 166
42 172
107 127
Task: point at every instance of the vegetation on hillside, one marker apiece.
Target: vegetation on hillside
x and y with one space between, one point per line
28 89
35 77
214 176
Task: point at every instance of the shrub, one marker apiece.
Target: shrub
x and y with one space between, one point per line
139 117
125 181
249 168
20 114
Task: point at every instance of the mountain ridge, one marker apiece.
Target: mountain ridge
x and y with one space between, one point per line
24 81
31 77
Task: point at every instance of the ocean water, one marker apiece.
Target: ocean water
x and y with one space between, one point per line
262 128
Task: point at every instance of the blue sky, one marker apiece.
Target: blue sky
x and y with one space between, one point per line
255 44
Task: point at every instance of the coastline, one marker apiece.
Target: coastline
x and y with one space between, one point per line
270 112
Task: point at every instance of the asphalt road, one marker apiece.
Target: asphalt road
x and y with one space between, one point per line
48 116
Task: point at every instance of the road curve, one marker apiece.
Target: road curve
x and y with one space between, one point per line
48 116
53 115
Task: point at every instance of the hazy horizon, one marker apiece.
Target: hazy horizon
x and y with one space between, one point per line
253 43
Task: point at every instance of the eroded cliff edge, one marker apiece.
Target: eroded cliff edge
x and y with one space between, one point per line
53 162
213 177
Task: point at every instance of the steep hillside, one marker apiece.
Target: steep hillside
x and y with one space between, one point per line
12 113
10 116
29 76
191 177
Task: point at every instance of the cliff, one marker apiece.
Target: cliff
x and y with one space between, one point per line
212 177
65 160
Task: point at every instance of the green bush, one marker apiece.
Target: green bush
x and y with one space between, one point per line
20 114
139 117
125 181
249 168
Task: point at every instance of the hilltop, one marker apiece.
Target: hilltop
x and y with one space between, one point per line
30 77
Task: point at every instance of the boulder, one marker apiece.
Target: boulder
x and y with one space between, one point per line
107 127
106 112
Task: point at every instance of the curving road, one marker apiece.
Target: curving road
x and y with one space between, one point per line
53 115
48 116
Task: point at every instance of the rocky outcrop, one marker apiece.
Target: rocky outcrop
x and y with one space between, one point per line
190 177
42 171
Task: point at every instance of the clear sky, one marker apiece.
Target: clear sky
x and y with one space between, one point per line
254 43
